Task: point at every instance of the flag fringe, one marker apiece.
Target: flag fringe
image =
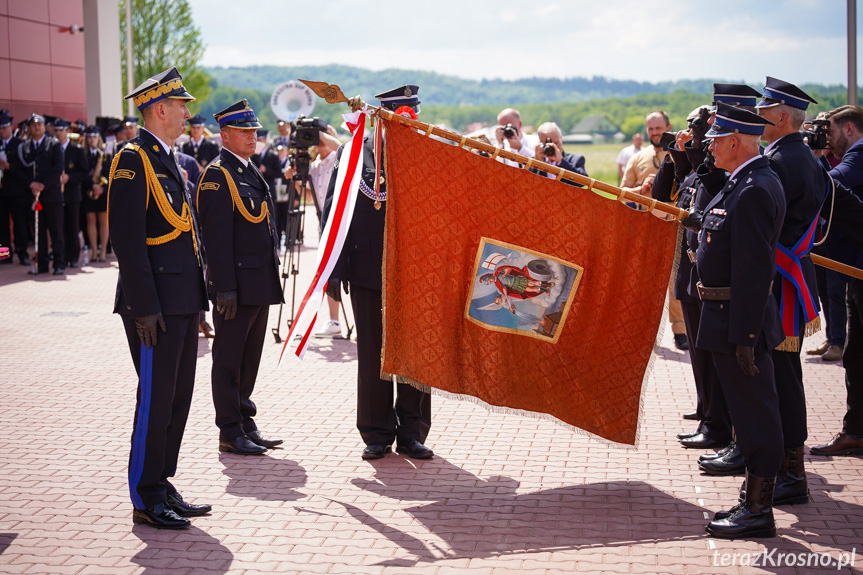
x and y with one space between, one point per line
513 411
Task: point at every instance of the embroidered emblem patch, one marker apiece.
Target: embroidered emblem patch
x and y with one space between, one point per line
521 291
209 186
124 174
155 148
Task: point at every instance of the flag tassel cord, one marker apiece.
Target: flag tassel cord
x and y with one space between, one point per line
333 94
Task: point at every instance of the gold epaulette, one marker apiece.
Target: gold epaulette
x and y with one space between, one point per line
181 223
237 200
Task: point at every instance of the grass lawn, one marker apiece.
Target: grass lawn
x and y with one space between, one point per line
600 160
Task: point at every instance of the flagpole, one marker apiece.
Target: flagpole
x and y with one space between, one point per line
333 94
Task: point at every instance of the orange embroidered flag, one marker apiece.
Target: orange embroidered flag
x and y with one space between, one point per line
523 292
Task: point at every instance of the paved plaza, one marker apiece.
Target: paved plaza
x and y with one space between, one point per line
503 494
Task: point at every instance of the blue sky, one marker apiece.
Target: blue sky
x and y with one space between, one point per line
646 40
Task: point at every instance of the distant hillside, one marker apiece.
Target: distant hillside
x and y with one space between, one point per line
456 102
440 90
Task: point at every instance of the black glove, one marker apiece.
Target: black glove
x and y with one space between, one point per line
746 360
700 127
226 304
146 327
692 222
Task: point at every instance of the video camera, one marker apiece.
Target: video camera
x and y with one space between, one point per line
305 133
816 137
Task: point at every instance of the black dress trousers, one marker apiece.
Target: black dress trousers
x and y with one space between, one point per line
754 410
379 419
853 422
715 421
51 222
166 378
236 356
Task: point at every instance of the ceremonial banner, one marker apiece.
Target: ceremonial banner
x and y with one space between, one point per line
519 291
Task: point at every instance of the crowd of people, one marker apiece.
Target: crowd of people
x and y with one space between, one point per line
205 222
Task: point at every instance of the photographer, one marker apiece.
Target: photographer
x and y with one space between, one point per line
845 138
510 136
550 150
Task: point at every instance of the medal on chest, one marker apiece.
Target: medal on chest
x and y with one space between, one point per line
708 237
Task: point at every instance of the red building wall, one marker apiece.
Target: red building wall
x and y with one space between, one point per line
41 66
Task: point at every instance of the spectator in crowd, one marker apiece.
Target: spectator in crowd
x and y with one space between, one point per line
42 159
511 137
283 139
845 138
550 150
75 173
628 152
15 200
130 128
638 178
203 150
94 200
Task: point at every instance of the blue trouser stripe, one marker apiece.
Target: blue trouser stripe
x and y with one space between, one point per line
139 440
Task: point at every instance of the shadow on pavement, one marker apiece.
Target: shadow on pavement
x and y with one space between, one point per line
482 518
178 551
6 540
263 477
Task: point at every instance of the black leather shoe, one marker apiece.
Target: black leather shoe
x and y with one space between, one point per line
729 464
415 450
256 438
184 509
692 416
721 453
681 342
241 446
59 271
375 451
686 435
751 518
700 441
160 516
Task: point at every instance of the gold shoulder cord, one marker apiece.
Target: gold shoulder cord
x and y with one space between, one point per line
181 223
238 203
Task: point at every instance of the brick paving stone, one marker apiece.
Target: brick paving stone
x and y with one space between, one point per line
504 494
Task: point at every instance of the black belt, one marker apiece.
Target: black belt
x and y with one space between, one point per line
713 293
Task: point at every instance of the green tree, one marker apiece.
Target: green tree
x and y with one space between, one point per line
164 35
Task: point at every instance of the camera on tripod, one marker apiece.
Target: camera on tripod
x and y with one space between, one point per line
816 136
306 133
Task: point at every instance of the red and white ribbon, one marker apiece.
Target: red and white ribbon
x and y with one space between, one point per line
335 232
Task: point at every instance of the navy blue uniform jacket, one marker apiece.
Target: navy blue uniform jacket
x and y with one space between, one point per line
737 249
241 255
165 278
361 260
48 158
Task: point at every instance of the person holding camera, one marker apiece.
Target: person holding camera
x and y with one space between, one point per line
845 139
235 208
382 419
550 150
320 171
510 136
